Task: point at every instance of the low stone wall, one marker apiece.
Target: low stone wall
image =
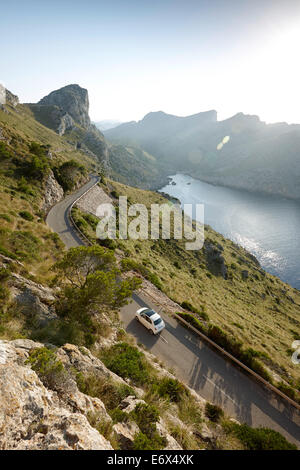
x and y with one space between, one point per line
90 201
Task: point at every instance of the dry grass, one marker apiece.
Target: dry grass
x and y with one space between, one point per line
262 311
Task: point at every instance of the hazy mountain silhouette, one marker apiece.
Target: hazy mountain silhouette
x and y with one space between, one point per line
241 151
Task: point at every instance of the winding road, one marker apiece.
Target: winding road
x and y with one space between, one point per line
208 373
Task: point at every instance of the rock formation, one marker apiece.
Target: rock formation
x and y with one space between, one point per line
73 100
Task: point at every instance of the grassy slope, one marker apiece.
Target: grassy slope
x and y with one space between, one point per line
19 129
261 311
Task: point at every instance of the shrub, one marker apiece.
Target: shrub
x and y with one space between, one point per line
68 174
213 412
188 306
128 362
146 416
109 392
50 370
143 442
26 215
172 389
129 264
193 321
118 416
4 152
260 438
287 390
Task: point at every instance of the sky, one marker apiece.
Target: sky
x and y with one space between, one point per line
138 56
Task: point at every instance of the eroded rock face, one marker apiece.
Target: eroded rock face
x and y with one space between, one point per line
33 417
53 192
33 299
73 100
11 99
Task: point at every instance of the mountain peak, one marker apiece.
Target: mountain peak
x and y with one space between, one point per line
74 100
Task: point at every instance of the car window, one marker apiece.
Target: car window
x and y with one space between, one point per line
157 322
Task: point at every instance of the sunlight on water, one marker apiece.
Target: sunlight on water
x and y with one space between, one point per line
268 227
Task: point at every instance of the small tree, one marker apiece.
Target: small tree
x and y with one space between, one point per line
90 280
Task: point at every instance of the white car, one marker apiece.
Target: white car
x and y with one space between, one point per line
150 319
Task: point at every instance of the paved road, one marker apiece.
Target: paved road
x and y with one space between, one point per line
215 378
58 220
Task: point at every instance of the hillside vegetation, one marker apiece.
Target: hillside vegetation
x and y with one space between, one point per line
221 285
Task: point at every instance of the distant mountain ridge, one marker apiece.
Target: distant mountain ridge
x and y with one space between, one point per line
241 151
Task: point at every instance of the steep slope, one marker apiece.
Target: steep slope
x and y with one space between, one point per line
66 111
241 151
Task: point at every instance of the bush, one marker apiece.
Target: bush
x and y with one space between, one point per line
260 438
146 416
127 362
142 442
287 390
68 174
26 215
129 264
109 392
188 306
118 416
213 412
172 389
50 370
4 152
193 321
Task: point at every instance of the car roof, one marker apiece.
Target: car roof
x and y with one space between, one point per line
151 313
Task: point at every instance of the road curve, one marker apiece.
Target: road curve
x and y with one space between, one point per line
195 363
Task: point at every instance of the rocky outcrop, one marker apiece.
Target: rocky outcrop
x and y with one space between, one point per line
53 192
11 99
53 117
73 100
34 417
33 299
215 259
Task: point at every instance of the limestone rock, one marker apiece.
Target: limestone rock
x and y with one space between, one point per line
125 433
129 403
11 99
33 417
172 444
53 192
73 100
205 434
81 358
33 299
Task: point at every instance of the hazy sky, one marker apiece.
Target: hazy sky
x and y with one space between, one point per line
137 56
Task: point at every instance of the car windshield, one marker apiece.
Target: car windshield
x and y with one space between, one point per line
157 322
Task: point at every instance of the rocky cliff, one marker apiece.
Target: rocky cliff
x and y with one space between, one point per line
74 100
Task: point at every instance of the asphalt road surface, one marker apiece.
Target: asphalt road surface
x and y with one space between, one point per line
194 362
